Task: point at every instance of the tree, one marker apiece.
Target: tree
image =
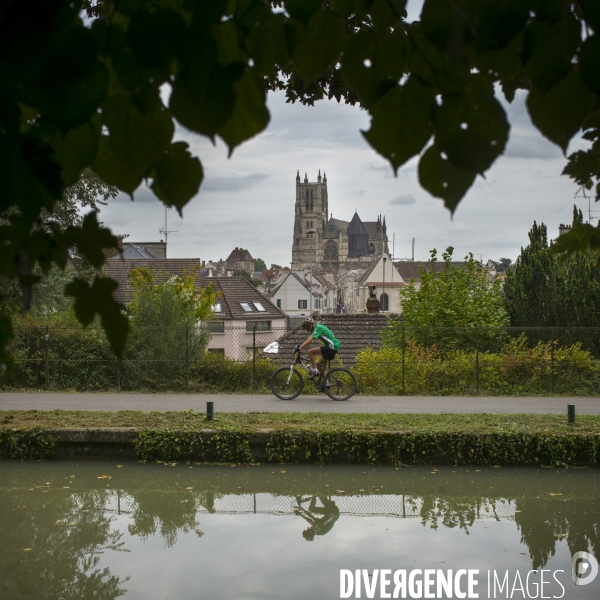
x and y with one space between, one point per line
239 272
460 295
166 316
502 264
547 290
81 94
274 266
259 264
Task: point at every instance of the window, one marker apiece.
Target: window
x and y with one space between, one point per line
217 307
218 351
216 327
250 352
384 302
260 325
317 302
302 303
278 302
259 307
325 302
246 307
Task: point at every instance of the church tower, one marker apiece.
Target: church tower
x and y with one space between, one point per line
310 213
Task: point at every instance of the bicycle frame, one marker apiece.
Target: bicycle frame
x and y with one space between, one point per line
305 362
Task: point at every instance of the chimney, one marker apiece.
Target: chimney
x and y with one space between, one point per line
563 229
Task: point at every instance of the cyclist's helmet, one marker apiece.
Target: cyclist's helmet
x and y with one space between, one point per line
308 324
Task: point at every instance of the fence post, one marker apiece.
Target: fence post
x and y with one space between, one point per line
551 366
47 337
187 356
254 356
403 359
477 360
118 375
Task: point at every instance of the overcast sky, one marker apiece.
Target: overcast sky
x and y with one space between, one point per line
248 200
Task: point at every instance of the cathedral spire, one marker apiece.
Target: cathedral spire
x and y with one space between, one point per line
297 176
305 177
324 177
319 177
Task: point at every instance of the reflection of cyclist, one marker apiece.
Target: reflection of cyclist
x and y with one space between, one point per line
327 351
319 525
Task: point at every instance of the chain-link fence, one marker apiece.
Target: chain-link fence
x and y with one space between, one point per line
392 359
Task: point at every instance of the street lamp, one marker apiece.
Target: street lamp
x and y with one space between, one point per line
383 302
309 232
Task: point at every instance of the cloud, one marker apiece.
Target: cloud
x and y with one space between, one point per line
359 192
233 183
530 145
404 200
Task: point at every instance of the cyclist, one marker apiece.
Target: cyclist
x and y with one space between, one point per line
328 350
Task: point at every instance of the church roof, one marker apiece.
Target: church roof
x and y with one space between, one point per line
356 226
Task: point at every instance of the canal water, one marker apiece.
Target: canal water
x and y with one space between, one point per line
187 531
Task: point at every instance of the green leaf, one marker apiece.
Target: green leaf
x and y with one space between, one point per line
442 179
177 176
498 23
320 45
98 299
113 171
250 115
302 10
91 239
591 13
371 64
77 150
448 26
156 36
589 63
401 122
266 42
559 113
203 100
471 127
136 139
548 50
433 66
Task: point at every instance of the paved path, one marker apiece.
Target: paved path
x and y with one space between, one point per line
248 403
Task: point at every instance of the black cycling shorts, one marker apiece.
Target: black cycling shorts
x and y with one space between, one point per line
328 353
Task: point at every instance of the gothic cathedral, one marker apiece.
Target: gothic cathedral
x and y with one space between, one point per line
336 245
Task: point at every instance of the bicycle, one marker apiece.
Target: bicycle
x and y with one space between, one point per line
287 383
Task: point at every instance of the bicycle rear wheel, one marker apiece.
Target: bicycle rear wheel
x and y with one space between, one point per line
286 383
340 384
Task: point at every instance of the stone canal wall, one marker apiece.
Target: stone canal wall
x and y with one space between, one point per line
237 445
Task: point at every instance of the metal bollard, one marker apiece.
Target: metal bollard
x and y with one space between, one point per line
571 412
210 411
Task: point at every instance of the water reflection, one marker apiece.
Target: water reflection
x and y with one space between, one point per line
321 517
59 520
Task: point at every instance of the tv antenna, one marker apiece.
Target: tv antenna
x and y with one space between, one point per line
166 230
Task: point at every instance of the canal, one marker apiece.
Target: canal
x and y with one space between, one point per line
187 531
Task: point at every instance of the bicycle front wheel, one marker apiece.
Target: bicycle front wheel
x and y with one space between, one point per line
340 384
286 383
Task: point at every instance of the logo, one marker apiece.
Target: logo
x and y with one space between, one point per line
584 568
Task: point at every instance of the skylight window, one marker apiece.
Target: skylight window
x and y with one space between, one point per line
259 307
217 307
246 307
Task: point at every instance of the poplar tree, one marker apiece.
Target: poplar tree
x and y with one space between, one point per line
546 289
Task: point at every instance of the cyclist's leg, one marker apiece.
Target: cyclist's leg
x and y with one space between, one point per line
313 353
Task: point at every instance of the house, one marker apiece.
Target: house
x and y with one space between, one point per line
381 281
240 259
291 293
138 250
243 317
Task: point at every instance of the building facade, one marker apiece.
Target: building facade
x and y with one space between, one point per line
336 245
